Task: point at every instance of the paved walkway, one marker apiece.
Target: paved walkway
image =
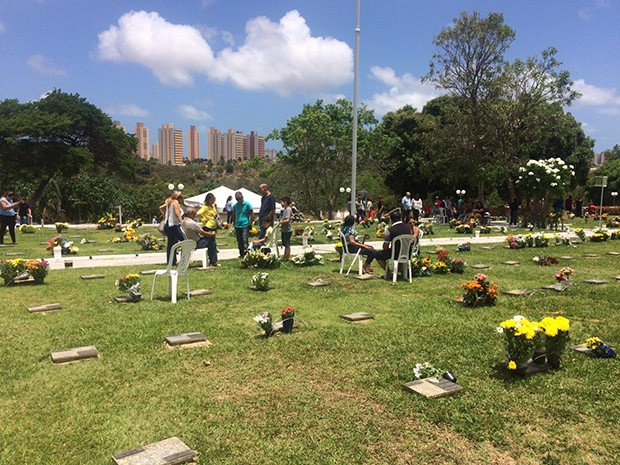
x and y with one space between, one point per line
159 258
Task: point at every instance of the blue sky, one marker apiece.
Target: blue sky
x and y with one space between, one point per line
252 64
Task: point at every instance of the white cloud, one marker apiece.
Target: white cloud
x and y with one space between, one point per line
282 57
403 90
192 113
45 66
172 51
606 98
128 109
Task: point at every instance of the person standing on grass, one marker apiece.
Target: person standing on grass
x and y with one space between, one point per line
285 225
243 215
8 215
228 207
24 212
407 204
171 210
267 208
209 217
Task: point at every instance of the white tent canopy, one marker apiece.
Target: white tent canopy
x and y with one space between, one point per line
221 194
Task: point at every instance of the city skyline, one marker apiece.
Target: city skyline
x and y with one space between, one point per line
254 65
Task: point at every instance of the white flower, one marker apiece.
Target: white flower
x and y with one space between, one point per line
558 177
572 167
572 173
531 173
553 184
518 317
537 179
499 329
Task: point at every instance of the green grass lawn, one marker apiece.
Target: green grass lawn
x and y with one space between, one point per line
330 393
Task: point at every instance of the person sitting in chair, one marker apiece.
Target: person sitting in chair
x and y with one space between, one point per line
398 228
354 245
204 238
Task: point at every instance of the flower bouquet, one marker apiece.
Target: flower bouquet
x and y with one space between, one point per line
27 229
427 229
421 266
260 282
10 270
579 232
107 221
600 235
257 259
544 260
66 246
38 269
148 242
307 258
556 337
60 227
465 247
265 322
521 337
457 266
479 292
464 228
599 348
287 314
440 267
564 275
515 242
130 283
338 247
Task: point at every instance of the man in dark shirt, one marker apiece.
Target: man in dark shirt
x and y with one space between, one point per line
398 228
267 208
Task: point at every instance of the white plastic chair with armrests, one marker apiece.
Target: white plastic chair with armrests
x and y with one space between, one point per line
181 269
415 244
401 254
346 253
273 243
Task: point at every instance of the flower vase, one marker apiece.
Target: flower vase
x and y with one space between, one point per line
540 356
554 360
287 325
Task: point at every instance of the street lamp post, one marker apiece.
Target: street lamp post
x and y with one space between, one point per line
614 194
348 191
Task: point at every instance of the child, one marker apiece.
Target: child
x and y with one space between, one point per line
261 243
285 224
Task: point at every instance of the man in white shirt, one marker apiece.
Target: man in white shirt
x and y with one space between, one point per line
406 202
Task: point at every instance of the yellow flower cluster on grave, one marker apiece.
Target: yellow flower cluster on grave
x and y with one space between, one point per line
553 326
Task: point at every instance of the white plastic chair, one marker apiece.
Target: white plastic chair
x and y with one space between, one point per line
182 266
441 217
402 244
346 253
273 243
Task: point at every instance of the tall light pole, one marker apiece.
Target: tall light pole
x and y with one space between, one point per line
356 66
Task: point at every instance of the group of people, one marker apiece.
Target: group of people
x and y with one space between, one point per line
182 224
9 214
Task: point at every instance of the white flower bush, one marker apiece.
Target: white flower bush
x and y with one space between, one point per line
541 178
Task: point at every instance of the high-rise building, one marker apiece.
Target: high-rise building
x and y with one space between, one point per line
170 142
234 145
193 144
142 134
256 145
214 147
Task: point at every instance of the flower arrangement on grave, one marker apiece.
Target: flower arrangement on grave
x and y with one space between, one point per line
580 233
12 269
536 240
61 227
521 338
485 230
67 247
264 321
107 221
130 283
380 230
440 268
613 222
129 234
457 266
307 258
427 229
38 269
599 348
308 232
479 292
556 337
257 259
148 242
561 239
338 247
544 260
253 231
464 228
464 247
564 274
288 315
328 225
260 281
600 235
453 223
426 370
515 241
421 266
27 229
367 222
134 224
298 231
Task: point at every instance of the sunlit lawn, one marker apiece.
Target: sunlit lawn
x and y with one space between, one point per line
330 393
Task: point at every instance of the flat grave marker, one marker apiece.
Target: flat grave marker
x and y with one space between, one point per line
617 278
171 451
199 292
358 316
511 262
187 340
559 287
44 308
567 257
125 299
519 292
24 280
591 255
595 281
608 253
92 276
71 355
582 349
364 277
14 254
481 266
487 247
105 250
318 282
433 387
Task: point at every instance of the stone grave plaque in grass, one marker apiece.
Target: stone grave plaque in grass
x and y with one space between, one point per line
171 451
277 326
92 276
487 247
530 369
358 316
559 287
595 281
207 268
125 299
511 263
44 308
608 253
433 387
199 292
591 255
25 280
185 339
481 266
147 272
318 282
105 250
71 355
364 277
519 292
582 349
14 254
567 257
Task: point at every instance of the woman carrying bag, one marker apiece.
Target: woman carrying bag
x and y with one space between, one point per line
172 222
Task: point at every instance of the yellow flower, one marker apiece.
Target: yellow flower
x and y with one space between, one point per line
512 365
508 324
563 324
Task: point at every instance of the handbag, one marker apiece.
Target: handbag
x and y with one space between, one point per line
161 226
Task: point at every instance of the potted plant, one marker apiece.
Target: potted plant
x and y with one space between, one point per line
130 283
265 322
260 282
288 317
479 292
556 337
520 336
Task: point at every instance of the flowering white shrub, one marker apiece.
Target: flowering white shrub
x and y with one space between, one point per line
541 178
